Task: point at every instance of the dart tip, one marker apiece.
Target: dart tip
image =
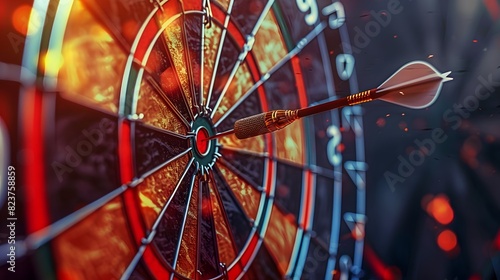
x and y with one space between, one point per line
210 138
219 135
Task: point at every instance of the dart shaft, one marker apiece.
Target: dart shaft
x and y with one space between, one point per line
219 135
358 98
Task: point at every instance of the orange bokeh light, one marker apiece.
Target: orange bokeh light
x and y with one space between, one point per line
439 208
21 19
130 29
447 240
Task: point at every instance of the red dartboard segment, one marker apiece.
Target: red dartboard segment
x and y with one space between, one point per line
193 5
34 127
299 82
125 150
308 201
149 32
244 260
133 214
155 266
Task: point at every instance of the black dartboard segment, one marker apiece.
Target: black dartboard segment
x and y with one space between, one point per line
82 162
154 147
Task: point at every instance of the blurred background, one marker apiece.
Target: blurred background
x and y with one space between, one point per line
442 221
439 219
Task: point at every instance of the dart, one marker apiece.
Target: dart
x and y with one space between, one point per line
416 85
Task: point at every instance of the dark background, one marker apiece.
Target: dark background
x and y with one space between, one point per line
462 36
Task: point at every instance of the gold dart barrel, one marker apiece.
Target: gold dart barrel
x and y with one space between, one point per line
264 123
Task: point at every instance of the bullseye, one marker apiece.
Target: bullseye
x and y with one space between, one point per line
201 139
204 150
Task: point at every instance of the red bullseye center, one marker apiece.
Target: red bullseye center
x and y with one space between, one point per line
202 142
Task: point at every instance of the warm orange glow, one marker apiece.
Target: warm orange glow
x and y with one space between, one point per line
447 240
470 150
439 208
67 273
130 29
168 82
20 19
206 207
53 61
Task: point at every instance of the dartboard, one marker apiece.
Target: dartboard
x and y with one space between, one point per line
117 176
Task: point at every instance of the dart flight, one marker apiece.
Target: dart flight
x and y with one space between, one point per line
416 85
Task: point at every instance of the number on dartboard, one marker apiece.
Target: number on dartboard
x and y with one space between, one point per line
310 7
334 155
345 66
336 18
336 15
